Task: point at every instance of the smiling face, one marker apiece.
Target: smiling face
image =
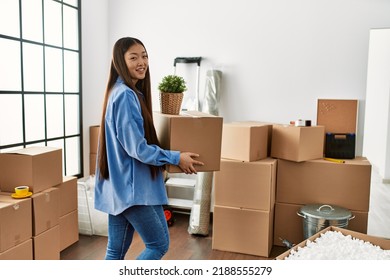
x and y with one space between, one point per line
137 62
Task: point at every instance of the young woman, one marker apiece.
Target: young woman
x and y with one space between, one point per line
129 180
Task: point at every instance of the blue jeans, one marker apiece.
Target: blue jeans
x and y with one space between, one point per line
151 225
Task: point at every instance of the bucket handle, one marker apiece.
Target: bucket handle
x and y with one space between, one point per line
301 215
352 217
325 205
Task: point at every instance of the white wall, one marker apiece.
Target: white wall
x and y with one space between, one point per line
376 144
277 56
95 62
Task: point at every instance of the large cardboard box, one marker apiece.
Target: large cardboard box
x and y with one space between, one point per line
93 147
93 138
246 141
246 184
22 251
37 167
67 195
92 164
381 242
288 225
338 115
45 209
46 245
297 143
245 231
324 182
69 229
191 131
15 221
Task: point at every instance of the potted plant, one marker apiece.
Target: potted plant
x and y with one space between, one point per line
172 88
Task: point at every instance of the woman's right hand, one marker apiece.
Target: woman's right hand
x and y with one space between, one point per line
187 162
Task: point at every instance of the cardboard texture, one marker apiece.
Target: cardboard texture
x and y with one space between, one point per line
15 221
338 115
47 244
381 242
92 164
68 195
243 231
192 131
297 143
37 167
288 225
45 211
23 251
246 141
69 229
319 181
246 184
93 138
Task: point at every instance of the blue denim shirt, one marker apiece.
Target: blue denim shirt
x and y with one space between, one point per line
129 156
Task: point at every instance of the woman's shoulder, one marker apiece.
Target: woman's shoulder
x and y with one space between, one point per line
122 92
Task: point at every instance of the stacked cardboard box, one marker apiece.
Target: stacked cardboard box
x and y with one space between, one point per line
52 200
191 131
303 179
93 147
319 181
339 117
244 191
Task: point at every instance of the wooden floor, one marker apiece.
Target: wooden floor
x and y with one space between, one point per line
184 246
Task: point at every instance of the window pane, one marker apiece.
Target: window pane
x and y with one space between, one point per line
34 109
72 156
11 149
11 119
41 144
58 144
71 39
9 18
53 26
32 20
71 71
72 109
71 2
32 67
53 69
54 116
10 72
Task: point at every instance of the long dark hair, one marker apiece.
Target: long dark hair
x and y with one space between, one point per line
119 68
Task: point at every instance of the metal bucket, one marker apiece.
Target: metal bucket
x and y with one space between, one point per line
316 217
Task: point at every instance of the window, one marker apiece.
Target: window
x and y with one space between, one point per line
40 78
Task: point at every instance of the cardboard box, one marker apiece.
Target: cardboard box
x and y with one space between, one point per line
338 115
246 141
69 229
45 209
92 164
191 131
288 225
67 195
23 251
381 242
15 221
37 167
93 138
324 182
246 184
297 143
47 244
243 231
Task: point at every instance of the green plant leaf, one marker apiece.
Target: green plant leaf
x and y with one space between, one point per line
173 84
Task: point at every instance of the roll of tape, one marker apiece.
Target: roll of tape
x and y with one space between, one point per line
300 123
